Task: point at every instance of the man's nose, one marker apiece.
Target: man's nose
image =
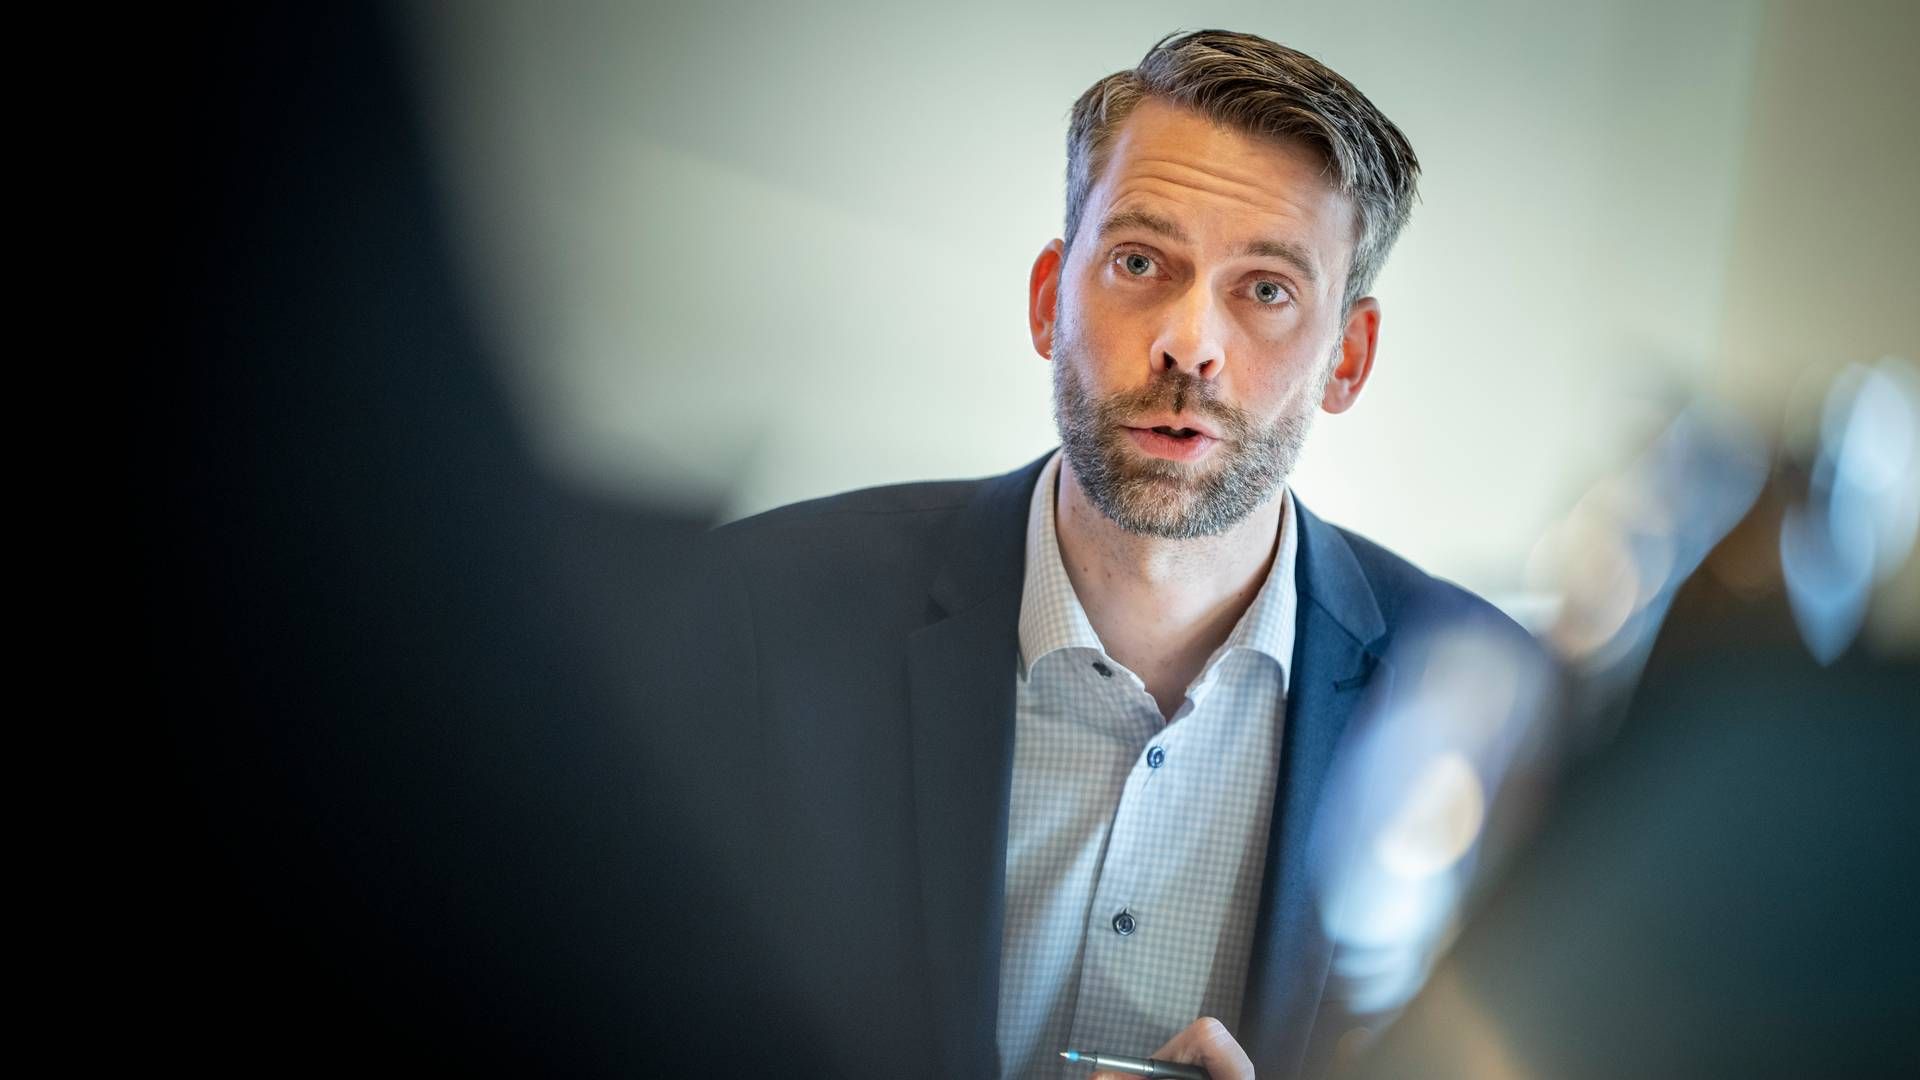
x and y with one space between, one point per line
1191 337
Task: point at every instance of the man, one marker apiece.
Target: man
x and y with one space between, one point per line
1040 754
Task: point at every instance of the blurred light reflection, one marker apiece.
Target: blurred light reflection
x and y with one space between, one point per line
1406 817
1804 542
1624 548
1437 822
1856 526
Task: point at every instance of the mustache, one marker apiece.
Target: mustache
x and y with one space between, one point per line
1177 392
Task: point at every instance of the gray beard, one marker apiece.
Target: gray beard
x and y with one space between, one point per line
1170 499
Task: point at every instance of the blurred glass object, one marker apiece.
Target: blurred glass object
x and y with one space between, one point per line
1424 805
1704 895
1627 544
1406 819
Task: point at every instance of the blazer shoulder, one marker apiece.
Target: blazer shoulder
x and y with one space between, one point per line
848 509
887 541
1406 592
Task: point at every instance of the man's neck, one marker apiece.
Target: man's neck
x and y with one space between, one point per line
1160 606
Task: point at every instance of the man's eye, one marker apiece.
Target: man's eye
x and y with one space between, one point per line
1267 292
1136 264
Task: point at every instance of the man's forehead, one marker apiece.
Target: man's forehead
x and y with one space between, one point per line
1179 175
1159 125
1173 167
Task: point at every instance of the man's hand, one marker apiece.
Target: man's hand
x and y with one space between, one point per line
1206 1043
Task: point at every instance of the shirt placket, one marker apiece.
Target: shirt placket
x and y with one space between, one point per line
1118 915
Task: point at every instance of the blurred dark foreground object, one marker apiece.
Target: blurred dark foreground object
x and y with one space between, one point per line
1727 889
430 798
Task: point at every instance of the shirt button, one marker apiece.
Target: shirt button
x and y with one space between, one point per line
1123 924
1105 671
1156 757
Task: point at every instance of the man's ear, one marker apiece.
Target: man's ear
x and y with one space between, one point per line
1043 296
1357 342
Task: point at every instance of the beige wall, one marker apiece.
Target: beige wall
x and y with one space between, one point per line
1824 268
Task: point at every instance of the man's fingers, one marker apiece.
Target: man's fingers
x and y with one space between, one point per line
1207 1043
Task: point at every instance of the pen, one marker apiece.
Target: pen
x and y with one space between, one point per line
1171 1070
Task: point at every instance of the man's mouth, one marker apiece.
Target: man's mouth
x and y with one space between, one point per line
1174 427
1174 442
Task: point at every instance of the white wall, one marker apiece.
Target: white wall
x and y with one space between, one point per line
759 252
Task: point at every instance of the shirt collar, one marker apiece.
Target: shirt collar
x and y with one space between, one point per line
1268 624
1051 618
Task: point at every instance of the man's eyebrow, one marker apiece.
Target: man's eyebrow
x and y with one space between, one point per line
1140 219
1288 252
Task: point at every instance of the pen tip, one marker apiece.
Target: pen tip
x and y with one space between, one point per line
1070 1055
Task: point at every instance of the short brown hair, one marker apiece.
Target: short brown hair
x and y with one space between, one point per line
1256 86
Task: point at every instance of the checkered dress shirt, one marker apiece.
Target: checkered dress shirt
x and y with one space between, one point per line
1135 845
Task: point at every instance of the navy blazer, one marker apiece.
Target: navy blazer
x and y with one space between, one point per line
873 645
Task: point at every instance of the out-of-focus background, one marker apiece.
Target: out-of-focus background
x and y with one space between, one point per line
738 254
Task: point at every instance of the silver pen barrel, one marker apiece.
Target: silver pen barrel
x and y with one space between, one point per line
1148 1067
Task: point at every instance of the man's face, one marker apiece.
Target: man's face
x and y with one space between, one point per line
1199 319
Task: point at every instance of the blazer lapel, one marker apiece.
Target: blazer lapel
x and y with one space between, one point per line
1338 641
961 670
